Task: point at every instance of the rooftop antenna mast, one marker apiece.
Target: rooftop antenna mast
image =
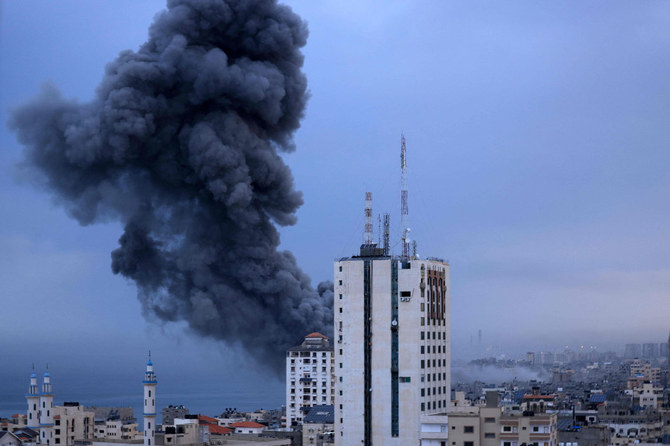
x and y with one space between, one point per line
368 218
403 198
387 233
379 230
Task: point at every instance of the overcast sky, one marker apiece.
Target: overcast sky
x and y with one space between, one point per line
538 150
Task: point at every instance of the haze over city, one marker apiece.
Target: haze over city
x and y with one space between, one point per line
537 144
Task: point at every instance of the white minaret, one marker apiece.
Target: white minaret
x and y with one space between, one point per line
33 397
149 403
46 411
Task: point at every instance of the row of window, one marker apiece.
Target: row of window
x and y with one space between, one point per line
436 349
435 405
436 376
436 390
436 334
426 363
435 322
313 369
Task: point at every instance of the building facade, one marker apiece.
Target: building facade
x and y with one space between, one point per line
309 377
392 354
72 422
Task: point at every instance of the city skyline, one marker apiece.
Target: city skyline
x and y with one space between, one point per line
540 133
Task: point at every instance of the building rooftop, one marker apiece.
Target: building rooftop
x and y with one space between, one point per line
251 424
207 420
322 414
316 335
214 429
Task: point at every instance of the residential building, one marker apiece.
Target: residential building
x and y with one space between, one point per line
9 439
642 370
488 425
309 377
392 346
318 421
171 412
248 427
648 395
72 422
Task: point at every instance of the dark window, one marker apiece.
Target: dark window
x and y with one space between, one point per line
468 430
489 435
489 420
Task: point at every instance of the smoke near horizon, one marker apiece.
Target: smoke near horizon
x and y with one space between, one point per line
181 145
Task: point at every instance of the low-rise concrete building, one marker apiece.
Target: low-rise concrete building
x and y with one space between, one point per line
489 425
319 420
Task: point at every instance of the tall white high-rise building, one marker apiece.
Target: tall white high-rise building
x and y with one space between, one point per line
309 377
391 346
149 414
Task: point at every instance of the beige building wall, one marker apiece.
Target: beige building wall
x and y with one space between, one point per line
489 426
422 326
72 423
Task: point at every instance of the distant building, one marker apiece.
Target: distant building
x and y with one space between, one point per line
648 396
632 351
169 413
309 377
650 350
641 371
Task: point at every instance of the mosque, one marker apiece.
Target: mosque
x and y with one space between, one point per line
60 425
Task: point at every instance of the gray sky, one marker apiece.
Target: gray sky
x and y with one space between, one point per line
537 137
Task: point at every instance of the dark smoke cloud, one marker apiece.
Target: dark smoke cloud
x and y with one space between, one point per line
181 145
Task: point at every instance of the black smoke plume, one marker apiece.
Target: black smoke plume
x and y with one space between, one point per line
181 145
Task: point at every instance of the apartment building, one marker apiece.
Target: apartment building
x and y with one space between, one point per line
309 377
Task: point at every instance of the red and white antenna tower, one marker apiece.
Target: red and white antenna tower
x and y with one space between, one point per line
368 218
403 198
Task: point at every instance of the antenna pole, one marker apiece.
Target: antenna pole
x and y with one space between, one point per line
368 218
387 233
379 229
403 198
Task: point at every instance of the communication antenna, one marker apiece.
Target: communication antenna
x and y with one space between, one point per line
368 218
403 198
387 233
414 249
379 229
